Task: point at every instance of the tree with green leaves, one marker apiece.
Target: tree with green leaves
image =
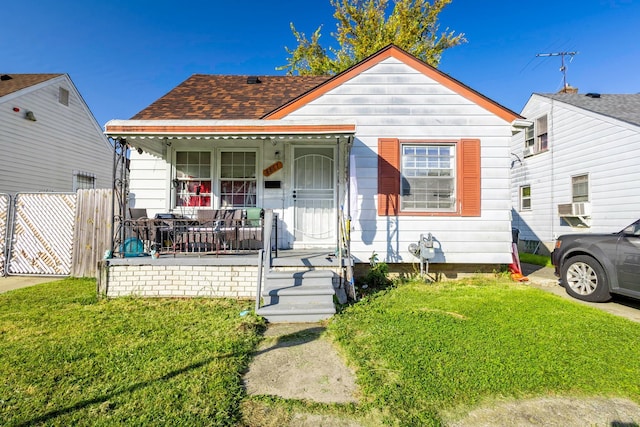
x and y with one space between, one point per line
364 27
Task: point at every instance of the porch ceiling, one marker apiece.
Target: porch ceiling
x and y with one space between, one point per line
153 136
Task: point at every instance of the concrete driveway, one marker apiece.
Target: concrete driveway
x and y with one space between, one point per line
10 283
543 278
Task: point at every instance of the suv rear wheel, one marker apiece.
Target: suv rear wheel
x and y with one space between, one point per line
584 278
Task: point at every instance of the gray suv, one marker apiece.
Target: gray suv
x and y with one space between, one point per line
591 267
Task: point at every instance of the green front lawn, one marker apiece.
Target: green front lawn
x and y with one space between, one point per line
422 352
534 259
68 359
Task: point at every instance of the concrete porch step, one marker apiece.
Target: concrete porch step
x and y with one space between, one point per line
312 282
304 289
297 313
298 296
307 274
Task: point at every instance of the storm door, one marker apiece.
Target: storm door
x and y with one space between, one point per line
314 177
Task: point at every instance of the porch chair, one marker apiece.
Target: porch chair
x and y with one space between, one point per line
250 229
140 229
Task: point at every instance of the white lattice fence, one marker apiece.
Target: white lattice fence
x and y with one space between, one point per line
42 237
5 203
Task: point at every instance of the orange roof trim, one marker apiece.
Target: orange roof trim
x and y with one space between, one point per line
392 51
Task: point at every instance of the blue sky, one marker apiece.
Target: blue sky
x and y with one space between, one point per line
124 54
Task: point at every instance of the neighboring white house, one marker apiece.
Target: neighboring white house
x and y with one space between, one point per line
400 147
575 168
49 139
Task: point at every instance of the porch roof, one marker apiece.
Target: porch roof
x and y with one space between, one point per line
153 136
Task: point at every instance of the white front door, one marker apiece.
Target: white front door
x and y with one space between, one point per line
314 206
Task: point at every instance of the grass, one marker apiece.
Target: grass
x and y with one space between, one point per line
423 351
70 359
534 259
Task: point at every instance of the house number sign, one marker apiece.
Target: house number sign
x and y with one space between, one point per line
272 169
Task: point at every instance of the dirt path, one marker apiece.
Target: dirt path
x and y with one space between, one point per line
296 362
555 412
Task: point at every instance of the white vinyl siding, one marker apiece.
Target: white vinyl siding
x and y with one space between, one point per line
394 100
45 153
582 143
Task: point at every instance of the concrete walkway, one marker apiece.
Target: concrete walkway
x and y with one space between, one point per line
10 283
543 278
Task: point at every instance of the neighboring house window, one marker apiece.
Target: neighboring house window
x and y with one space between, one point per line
529 140
525 198
536 137
63 96
238 178
193 178
541 133
429 178
580 188
83 180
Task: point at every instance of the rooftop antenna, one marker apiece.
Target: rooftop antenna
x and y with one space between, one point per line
563 68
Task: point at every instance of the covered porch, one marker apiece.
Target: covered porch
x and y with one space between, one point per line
193 170
212 208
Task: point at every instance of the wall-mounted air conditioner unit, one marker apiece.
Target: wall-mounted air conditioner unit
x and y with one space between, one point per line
577 214
574 209
528 151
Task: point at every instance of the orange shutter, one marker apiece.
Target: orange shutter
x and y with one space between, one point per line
388 176
469 177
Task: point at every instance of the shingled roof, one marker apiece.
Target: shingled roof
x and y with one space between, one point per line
228 97
10 83
625 107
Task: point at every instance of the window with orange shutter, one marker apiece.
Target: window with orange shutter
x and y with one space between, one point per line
429 177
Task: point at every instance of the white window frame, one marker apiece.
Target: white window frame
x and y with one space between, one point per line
190 187
524 198
536 136
576 198
428 163
250 195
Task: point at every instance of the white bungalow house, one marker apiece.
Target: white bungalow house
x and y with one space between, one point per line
575 168
397 146
49 139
